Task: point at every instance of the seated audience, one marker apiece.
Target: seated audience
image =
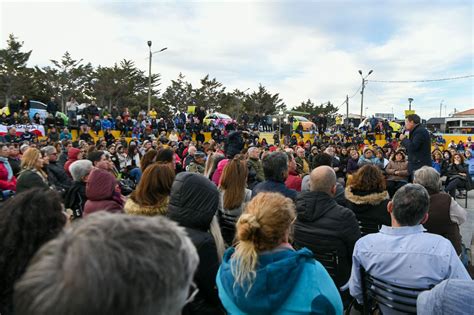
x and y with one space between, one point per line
404 254
293 180
263 274
27 221
151 196
367 196
458 176
194 201
73 154
324 225
233 196
57 176
32 173
75 197
448 297
102 193
7 178
110 264
397 171
445 214
275 168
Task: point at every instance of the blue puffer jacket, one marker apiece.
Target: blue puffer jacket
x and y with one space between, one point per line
286 282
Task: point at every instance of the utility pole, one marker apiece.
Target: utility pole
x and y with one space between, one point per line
347 110
440 108
364 82
149 72
149 76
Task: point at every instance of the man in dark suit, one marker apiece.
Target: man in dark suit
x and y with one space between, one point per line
418 144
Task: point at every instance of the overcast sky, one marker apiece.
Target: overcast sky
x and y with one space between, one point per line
300 49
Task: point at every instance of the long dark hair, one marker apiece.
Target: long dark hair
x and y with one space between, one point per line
27 221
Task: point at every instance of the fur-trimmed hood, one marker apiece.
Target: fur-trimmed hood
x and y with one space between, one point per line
134 208
371 199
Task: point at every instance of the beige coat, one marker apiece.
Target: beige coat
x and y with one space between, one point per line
402 170
134 208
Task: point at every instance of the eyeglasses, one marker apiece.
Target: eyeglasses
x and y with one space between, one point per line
194 291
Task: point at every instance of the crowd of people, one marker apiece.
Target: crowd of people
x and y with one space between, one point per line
169 223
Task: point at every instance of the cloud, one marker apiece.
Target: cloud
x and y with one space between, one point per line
298 49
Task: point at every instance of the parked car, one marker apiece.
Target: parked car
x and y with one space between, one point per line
216 118
38 107
307 124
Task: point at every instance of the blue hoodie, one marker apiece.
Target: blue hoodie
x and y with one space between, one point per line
286 282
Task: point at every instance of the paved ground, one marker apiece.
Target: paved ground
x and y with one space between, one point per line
467 229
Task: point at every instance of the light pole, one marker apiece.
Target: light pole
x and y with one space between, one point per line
409 103
279 119
149 71
364 82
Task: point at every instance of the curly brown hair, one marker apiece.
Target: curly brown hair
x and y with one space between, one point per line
368 178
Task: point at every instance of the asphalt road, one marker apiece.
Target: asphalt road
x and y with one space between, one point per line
467 228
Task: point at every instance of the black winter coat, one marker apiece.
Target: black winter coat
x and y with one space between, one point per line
418 146
194 201
322 224
57 176
369 207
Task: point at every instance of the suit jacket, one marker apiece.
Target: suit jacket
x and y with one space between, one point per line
418 146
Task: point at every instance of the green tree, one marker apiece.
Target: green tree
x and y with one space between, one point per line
210 95
15 76
232 103
179 95
263 103
67 77
123 85
326 109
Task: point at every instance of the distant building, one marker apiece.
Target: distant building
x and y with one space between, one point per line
388 116
436 124
460 122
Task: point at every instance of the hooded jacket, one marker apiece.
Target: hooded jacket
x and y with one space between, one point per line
286 282
101 193
369 207
72 154
194 200
322 224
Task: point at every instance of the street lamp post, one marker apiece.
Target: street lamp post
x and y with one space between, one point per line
409 103
364 82
279 120
149 71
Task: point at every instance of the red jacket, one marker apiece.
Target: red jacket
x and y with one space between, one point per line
293 181
4 183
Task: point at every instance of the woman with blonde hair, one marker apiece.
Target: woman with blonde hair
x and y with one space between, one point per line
263 274
32 174
152 194
233 196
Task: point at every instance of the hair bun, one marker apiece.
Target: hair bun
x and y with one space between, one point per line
247 227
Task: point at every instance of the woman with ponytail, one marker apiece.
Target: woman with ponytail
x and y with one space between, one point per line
263 274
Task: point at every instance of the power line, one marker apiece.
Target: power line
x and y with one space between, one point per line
421 81
355 93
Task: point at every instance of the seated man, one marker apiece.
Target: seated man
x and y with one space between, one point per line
445 214
322 224
110 264
448 297
275 168
403 254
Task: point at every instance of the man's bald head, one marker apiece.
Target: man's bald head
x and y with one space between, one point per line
323 179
